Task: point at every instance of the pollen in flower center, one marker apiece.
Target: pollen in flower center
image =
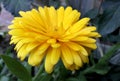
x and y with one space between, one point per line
54 34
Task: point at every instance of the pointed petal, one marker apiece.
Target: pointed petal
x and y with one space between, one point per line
60 13
55 55
84 58
53 17
66 54
42 48
65 63
79 25
31 46
69 20
89 40
48 65
42 13
94 34
77 59
80 38
86 31
34 58
83 51
89 45
22 53
17 32
73 45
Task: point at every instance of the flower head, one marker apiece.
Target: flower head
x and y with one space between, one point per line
53 34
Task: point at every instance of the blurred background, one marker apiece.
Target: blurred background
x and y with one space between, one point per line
104 14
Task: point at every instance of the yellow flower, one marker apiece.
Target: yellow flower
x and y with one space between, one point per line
53 34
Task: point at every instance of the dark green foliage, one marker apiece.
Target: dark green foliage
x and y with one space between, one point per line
55 3
76 4
107 21
106 68
16 68
110 21
93 13
14 6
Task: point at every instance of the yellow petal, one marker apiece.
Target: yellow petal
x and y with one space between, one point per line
94 34
89 45
79 38
60 16
22 53
17 32
55 55
72 67
84 58
53 16
69 20
79 25
65 63
77 59
89 40
28 18
23 41
60 13
86 31
48 65
31 46
40 38
15 39
68 10
18 45
34 58
42 13
22 13
37 17
42 48
11 26
83 51
73 45
66 54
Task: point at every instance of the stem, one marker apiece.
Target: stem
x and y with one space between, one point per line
99 48
38 73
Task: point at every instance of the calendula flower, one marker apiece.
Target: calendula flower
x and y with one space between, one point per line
53 34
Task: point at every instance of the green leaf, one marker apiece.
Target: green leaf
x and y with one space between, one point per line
55 3
82 77
46 77
76 4
98 68
43 77
14 6
16 68
102 66
38 75
109 54
72 79
92 13
110 21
